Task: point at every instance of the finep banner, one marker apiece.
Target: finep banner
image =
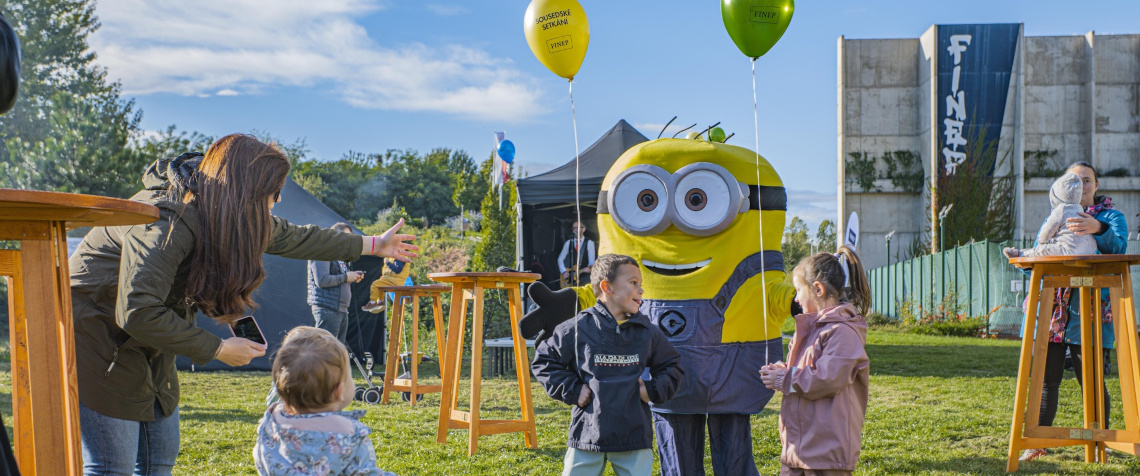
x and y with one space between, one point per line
975 64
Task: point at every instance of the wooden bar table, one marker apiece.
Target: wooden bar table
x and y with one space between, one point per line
1086 275
396 334
45 397
469 287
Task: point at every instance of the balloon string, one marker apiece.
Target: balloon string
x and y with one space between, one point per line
577 199
760 202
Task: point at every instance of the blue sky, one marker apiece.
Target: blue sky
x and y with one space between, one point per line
372 75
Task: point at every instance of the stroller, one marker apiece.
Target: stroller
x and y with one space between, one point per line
373 393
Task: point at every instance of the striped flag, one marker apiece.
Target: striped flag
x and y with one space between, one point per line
500 172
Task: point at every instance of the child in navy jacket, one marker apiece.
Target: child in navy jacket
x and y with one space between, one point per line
595 362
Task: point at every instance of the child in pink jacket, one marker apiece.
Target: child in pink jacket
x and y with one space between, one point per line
825 381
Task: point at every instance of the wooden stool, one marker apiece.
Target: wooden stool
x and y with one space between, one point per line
470 286
396 335
1087 274
45 395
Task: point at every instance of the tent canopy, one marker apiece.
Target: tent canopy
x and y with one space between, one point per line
557 186
282 297
547 201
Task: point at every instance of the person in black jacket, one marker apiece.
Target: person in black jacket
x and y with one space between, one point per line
596 362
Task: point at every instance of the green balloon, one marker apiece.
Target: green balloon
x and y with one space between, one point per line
693 135
756 25
716 134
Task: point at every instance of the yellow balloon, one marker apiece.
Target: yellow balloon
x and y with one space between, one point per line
558 34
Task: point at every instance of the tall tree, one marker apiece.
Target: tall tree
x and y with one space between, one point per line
825 238
796 245
359 185
69 129
351 185
497 248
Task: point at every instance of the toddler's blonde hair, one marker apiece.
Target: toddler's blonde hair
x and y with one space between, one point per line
308 368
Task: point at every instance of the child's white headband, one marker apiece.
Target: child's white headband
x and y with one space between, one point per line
843 264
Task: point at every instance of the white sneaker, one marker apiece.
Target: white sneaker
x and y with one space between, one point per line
1030 455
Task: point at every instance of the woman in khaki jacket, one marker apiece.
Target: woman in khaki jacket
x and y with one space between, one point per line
136 290
825 382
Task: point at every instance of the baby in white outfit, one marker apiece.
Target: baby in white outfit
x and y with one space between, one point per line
1055 239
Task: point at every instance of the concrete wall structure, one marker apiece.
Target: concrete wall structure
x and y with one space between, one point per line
1071 98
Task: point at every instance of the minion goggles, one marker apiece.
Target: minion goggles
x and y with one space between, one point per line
700 199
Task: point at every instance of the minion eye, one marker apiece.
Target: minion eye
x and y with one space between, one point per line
647 200
635 200
707 199
696 199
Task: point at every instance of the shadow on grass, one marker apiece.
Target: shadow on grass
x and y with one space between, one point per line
769 410
223 415
978 465
943 361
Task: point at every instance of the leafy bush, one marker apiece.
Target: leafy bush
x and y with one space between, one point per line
961 326
908 311
948 318
878 319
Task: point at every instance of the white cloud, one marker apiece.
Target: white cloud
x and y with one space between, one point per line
812 207
143 135
447 10
650 130
250 46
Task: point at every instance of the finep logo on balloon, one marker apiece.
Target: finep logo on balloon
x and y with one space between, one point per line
764 15
559 44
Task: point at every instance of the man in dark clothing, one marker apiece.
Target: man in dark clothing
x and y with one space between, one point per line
330 291
576 258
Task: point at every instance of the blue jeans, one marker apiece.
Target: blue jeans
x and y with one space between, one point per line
122 447
589 463
335 322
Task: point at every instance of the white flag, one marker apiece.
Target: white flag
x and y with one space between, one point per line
497 163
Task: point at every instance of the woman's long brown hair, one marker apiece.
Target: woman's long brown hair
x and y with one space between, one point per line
236 180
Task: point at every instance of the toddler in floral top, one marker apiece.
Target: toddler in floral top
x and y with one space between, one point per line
306 433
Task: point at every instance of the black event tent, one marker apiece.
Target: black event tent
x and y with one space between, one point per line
547 200
282 296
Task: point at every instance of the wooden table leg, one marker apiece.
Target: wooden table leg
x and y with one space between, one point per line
66 324
1023 371
1124 324
415 358
451 359
1098 366
23 445
47 374
395 333
1040 352
522 370
1087 378
476 369
437 315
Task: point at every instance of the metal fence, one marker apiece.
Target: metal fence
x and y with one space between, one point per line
977 276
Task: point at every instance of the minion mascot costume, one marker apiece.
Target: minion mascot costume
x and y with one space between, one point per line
691 213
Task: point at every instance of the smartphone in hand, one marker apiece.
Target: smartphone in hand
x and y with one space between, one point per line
247 328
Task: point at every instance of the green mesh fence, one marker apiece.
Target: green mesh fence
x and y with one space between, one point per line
976 277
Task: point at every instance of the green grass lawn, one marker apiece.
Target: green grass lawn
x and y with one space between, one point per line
938 406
